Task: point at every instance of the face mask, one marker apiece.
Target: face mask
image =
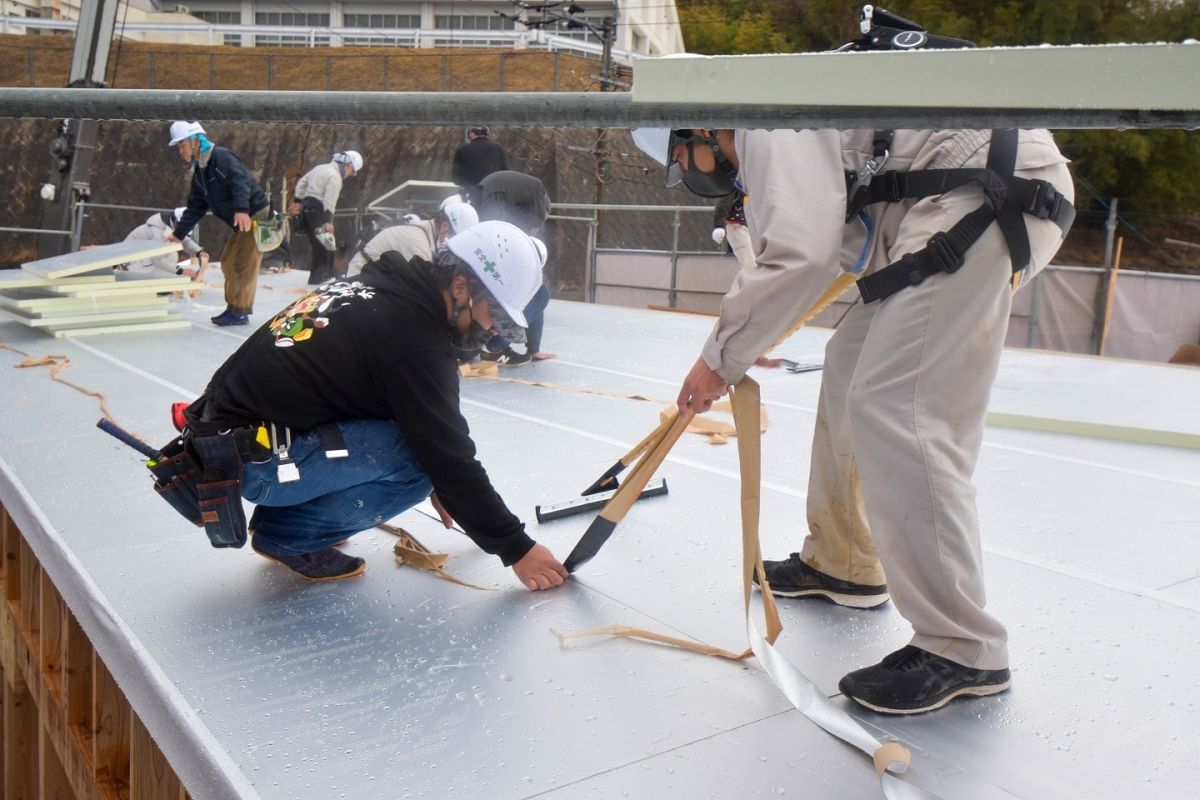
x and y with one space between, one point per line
718 184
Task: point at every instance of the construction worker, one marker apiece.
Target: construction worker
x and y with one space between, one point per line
421 239
314 201
522 200
908 372
157 228
221 184
729 228
474 160
358 381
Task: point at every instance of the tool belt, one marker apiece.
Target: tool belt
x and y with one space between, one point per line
200 476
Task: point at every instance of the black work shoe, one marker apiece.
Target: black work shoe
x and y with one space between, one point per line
794 578
912 681
323 565
507 357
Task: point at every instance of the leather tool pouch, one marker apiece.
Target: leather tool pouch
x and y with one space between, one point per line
201 478
219 488
175 478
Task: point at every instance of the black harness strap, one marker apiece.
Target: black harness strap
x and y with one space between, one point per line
1006 199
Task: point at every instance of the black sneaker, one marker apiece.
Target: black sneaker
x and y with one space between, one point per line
323 565
507 357
794 578
912 681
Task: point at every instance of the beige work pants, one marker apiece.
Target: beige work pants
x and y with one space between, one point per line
240 261
900 423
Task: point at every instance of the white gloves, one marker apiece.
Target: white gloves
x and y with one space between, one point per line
718 235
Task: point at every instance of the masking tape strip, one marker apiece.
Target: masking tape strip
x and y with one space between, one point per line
409 550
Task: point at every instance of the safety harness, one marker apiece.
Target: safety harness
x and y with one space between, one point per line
1006 198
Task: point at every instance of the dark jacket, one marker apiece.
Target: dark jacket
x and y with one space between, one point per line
474 161
374 347
223 186
514 197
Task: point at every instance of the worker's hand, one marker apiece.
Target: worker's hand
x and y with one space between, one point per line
241 221
701 388
771 363
294 210
539 569
718 235
170 237
447 520
329 227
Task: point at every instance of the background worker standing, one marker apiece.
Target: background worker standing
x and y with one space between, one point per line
222 184
314 200
475 160
729 228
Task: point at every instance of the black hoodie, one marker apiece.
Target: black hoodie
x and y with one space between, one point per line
377 346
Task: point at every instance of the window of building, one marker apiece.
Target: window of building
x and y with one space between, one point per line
473 22
293 20
380 22
222 18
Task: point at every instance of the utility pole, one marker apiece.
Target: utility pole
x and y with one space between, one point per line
74 143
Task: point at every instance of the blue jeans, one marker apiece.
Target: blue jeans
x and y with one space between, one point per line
335 497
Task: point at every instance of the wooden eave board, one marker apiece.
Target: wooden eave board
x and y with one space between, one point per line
97 258
126 286
75 333
1135 76
12 279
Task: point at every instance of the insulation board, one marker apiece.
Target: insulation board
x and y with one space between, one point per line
97 258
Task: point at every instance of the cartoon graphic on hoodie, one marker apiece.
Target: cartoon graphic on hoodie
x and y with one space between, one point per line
301 319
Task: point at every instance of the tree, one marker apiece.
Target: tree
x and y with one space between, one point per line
1154 171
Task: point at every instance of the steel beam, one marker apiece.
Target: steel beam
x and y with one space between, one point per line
542 110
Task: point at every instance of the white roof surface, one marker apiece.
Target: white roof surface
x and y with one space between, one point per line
400 685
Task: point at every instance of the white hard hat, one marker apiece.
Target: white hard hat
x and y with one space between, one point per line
181 130
178 213
351 157
505 260
460 216
454 198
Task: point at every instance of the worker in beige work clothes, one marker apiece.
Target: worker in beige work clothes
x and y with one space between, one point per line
314 201
907 374
423 238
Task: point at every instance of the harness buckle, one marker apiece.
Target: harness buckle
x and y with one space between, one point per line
863 178
1047 201
943 254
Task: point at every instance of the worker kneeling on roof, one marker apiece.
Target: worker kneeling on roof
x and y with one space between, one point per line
357 384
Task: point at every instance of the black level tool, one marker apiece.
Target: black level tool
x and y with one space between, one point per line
591 502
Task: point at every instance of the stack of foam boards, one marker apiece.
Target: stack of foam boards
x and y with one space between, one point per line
78 294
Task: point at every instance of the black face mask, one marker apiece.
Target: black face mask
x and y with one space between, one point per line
717 184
